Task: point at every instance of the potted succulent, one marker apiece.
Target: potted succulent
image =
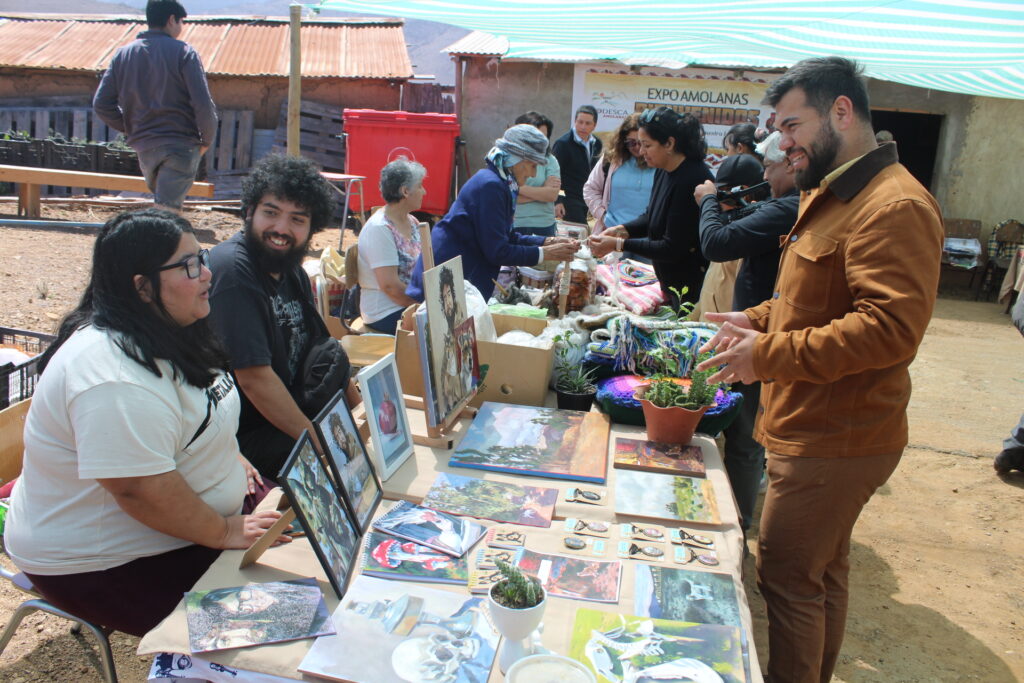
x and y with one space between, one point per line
574 383
516 604
672 410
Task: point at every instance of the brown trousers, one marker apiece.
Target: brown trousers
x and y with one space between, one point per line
803 557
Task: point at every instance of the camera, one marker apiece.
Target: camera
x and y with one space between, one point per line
736 195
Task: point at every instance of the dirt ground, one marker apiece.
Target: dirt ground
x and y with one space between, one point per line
936 570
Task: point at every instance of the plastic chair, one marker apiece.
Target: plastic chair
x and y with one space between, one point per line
40 604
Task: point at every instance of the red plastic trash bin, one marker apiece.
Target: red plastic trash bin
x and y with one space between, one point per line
375 138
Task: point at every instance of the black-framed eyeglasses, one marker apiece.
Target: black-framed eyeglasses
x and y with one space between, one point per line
193 264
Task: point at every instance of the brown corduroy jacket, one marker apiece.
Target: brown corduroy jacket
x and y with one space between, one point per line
857 282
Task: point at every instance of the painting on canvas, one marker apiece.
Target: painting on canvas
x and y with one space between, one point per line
542 442
392 631
339 436
619 647
445 297
385 413
494 500
652 456
662 496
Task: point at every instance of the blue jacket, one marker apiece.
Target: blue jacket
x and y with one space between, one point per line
478 227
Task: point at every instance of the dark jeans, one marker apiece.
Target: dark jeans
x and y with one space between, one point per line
744 457
575 209
134 597
542 232
388 324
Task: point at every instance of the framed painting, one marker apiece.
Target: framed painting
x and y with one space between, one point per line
385 411
318 506
349 461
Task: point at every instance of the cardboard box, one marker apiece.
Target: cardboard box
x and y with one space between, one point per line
516 374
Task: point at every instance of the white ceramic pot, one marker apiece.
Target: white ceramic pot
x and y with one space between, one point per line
515 626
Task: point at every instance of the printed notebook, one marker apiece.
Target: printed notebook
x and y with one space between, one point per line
438 530
389 557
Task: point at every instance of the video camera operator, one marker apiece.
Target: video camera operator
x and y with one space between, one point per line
754 237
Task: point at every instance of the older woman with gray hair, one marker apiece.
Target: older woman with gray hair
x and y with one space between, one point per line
389 245
478 226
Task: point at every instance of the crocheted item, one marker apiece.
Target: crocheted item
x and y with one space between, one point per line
635 274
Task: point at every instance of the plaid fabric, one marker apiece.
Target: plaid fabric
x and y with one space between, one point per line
642 300
1000 249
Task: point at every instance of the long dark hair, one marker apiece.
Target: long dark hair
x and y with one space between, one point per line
138 243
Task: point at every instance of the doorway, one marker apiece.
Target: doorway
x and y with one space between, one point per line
917 139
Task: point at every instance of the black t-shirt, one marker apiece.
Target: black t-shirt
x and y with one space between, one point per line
260 319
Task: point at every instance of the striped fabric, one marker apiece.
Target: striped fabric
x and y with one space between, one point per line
974 47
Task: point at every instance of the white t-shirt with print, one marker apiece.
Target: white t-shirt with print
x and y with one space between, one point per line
377 249
98 414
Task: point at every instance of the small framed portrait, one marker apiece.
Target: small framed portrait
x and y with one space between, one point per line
349 461
385 411
319 508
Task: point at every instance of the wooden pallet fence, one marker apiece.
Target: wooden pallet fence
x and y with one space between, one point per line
319 128
232 148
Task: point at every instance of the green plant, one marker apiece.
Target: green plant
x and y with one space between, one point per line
701 393
571 378
516 590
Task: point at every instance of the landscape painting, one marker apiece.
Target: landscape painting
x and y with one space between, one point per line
497 501
617 647
573 577
666 458
662 496
540 442
685 595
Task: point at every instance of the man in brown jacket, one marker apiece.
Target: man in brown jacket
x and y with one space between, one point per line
856 285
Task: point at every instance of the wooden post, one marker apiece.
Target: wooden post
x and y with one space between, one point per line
426 247
295 80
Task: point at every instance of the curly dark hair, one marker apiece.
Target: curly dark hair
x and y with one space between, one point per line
686 130
138 243
294 179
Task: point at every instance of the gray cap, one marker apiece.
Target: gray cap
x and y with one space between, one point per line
525 142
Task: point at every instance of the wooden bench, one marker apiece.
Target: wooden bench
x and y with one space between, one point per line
30 179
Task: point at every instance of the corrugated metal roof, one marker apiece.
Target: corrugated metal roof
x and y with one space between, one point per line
228 46
479 43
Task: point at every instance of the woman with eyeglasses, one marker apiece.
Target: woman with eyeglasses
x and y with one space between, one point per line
619 187
667 231
132 480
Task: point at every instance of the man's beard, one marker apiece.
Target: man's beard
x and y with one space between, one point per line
270 260
821 158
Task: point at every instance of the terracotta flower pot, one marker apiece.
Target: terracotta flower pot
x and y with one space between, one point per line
669 425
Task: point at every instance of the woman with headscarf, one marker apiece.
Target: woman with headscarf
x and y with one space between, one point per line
478 227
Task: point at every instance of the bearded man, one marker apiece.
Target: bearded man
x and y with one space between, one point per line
832 346
261 304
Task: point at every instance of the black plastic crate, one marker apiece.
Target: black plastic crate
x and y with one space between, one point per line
18 380
28 153
70 157
117 161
